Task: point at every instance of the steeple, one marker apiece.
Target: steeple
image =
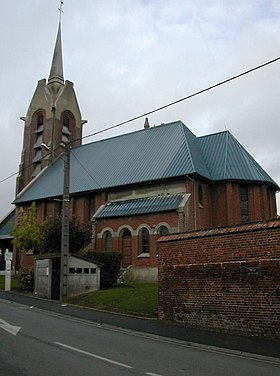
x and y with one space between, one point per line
53 117
56 72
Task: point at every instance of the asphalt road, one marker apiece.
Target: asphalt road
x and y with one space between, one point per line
40 342
240 344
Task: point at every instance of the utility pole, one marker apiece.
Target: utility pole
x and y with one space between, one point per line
65 229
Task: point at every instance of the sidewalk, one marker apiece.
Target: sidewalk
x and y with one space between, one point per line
151 326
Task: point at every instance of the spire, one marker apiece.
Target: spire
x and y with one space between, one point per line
56 73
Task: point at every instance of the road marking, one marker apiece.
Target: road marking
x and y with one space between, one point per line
9 328
93 355
158 338
152 374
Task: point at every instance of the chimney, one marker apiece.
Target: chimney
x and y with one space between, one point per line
146 124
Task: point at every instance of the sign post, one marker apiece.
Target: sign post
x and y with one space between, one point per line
8 259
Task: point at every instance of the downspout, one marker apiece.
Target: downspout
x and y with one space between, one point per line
194 202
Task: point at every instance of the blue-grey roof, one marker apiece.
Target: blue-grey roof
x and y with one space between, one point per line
227 159
7 224
140 206
166 151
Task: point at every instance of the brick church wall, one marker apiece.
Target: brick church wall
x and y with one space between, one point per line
134 223
226 278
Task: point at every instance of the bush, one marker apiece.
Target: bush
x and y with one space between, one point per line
110 269
26 278
28 233
79 236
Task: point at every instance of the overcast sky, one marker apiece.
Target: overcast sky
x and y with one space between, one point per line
127 57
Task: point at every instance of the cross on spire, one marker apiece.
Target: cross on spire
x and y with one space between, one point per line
60 10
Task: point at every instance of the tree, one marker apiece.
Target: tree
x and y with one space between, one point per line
27 233
46 237
79 236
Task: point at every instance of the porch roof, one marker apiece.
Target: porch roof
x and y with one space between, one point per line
140 206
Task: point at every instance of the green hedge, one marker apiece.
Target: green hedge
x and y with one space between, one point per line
26 278
110 269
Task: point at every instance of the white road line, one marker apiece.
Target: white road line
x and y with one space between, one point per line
158 338
12 329
152 374
93 355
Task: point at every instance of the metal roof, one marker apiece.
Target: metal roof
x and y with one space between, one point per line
165 151
227 159
140 206
7 224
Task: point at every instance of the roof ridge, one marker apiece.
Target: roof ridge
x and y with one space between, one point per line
178 122
195 163
187 144
253 162
226 155
6 216
213 134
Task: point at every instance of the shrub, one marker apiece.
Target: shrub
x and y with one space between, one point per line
28 233
26 278
110 269
79 236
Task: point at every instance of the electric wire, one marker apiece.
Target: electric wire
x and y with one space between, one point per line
183 99
157 109
84 168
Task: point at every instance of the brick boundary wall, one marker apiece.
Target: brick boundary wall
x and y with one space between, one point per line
226 279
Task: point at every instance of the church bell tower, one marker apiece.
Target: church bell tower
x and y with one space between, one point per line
53 119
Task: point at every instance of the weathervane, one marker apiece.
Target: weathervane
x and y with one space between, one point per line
60 10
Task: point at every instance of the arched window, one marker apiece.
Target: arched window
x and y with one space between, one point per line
66 121
65 130
37 156
144 241
40 120
107 239
163 230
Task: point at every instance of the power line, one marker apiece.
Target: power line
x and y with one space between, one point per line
85 169
184 98
161 108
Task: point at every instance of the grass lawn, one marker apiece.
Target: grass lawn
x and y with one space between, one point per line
15 285
136 298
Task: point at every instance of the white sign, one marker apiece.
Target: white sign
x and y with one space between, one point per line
8 255
8 275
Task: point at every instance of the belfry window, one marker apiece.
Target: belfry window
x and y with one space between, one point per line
66 121
65 130
40 120
37 169
39 124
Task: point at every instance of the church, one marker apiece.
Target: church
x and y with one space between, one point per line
135 187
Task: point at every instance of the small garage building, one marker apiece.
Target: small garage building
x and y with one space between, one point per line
83 276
